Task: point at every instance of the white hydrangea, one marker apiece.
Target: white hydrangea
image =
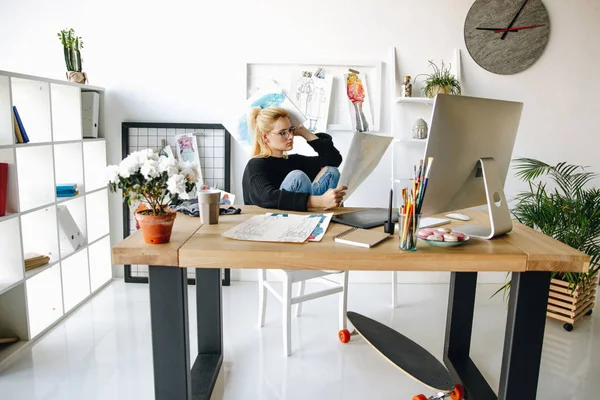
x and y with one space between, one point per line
150 169
176 184
168 165
112 174
189 170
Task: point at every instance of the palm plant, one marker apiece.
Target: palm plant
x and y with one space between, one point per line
568 211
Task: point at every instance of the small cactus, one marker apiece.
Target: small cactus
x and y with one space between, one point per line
71 49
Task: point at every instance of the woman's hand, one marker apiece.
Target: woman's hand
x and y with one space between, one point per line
302 131
333 197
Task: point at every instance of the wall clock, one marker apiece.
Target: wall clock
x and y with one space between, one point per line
506 37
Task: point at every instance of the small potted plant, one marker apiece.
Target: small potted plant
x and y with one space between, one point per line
156 181
72 45
440 81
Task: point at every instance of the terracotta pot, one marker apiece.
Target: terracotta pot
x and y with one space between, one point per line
156 228
77 77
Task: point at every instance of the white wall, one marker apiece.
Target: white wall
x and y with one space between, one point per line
181 61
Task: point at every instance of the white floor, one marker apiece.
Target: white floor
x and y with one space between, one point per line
103 350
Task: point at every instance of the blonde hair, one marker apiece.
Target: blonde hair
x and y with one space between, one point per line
261 121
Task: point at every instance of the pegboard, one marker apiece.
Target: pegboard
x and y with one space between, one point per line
214 150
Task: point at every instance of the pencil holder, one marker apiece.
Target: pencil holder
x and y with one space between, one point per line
408 225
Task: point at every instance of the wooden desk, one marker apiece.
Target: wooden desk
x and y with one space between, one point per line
530 255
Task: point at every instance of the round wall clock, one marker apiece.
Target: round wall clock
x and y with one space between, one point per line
506 37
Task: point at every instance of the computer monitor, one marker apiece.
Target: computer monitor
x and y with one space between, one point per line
471 140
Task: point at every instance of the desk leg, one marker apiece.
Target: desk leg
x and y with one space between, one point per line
170 335
459 326
524 335
210 332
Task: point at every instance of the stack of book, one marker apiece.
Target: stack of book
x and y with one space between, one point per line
34 260
66 190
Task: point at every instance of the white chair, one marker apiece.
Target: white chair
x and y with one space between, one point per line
289 277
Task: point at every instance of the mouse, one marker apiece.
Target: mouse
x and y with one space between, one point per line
460 217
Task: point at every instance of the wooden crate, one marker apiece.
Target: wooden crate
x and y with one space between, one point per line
571 307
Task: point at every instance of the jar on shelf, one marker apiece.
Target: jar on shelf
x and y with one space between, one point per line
420 129
406 87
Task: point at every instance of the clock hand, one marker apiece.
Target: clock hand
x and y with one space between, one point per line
489 29
518 28
514 19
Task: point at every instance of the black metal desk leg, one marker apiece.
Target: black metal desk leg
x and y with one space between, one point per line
170 335
210 332
459 328
459 323
524 336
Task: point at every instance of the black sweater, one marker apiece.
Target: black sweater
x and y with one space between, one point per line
263 176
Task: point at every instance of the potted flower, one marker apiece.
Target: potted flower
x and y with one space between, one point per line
71 49
440 81
568 211
156 180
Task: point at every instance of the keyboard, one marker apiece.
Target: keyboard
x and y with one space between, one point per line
430 222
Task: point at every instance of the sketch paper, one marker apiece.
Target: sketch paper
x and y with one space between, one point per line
312 96
358 100
265 97
366 150
274 228
187 150
319 231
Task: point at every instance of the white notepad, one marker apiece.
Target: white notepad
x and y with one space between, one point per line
361 237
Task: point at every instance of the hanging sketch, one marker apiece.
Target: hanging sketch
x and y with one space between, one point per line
360 108
187 150
312 95
267 96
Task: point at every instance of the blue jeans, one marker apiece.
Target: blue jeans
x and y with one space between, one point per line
298 182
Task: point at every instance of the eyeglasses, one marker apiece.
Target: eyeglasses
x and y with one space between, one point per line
285 133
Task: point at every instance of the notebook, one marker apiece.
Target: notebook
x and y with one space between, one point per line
361 237
365 219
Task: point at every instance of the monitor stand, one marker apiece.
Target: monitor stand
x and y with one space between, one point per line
500 221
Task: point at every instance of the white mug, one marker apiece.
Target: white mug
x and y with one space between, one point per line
208 205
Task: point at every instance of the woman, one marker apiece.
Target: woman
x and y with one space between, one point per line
273 179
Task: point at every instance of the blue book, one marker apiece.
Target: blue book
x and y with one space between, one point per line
66 186
71 194
21 127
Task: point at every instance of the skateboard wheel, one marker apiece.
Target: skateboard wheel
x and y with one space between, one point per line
344 335
419 397
589 312
458 393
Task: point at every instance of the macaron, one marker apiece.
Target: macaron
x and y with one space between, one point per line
436 238
423 233
449 237
460 236
444 230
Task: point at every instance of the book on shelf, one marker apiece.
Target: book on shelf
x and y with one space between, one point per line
20 125
361 237
18 134
3 187
66 187
34 260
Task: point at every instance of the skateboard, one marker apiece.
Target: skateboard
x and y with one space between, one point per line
409 357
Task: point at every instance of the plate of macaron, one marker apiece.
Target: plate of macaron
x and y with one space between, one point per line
442 237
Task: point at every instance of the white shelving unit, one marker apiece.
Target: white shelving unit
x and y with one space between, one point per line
407 151
31 302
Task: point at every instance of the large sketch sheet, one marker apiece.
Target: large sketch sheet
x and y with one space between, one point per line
365 152
274 228
319 231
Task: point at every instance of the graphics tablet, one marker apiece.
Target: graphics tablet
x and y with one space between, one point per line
365 219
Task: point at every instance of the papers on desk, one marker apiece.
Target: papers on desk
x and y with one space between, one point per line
319 231
291 228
